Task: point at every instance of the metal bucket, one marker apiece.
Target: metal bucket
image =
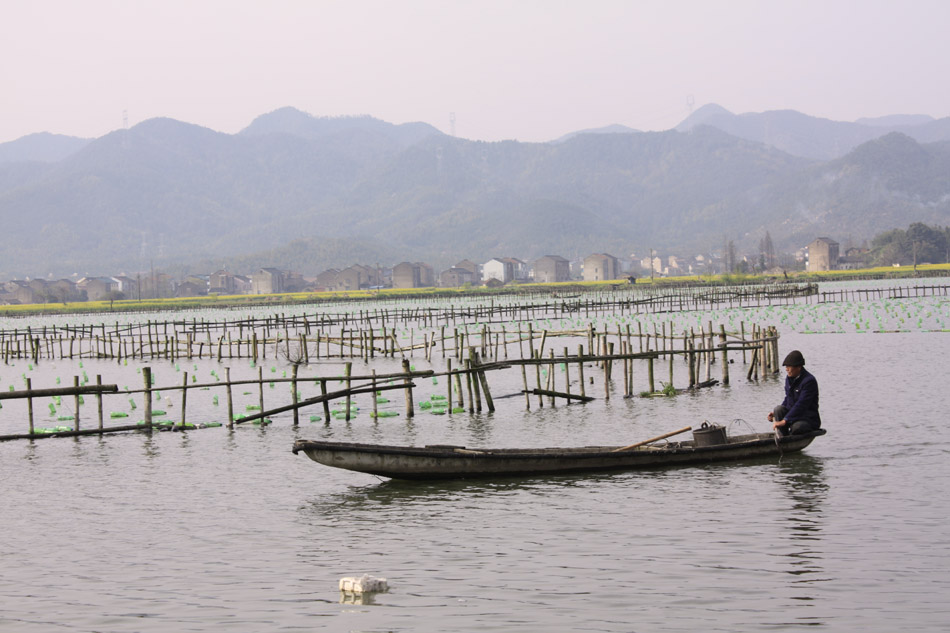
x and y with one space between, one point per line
709 435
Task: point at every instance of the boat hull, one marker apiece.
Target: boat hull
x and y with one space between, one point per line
456 462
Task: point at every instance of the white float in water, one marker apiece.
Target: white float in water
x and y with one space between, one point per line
363 584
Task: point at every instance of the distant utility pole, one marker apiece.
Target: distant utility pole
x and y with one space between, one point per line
689 111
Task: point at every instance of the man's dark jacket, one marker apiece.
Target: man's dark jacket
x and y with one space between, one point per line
801 398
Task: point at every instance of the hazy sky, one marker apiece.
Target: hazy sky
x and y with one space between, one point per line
530 70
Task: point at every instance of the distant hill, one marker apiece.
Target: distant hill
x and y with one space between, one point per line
812 137
616 128
301 124
299 192
886 183
41 147
897 120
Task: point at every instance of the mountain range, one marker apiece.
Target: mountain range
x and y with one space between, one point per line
306 193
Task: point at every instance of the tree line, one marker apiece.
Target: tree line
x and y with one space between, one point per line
919 244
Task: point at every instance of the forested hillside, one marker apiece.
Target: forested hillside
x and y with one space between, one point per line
308 193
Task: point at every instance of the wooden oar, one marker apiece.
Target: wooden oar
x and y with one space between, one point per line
653 439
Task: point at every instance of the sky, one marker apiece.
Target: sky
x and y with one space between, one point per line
530 70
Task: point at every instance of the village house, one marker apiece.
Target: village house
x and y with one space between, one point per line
472 267
822 255
242 284
406 275
349 279
156 286
126 285
501 269
191 288
412 275
63 291
601 266
551 269
39 286
295 282
854 258
519 269
456 277
370 275
267 281
221 282
97 288
326 279
20 293
652 264
676 265
200 282
426 275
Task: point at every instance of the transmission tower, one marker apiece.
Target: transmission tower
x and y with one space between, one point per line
452 123
689 111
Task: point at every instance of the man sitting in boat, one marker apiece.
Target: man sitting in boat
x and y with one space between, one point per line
798 413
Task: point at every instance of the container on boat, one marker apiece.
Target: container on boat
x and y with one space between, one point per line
709 435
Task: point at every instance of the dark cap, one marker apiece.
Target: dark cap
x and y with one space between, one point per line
794 359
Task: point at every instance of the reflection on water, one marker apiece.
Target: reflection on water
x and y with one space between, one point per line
348 597
481 429
151 447
804 482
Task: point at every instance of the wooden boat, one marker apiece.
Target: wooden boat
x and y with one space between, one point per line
458 462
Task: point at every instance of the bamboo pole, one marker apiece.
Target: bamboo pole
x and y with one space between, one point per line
260 385
293 389
99 398
484 381
650 382
184 397
580 368
227 380
326 403
410 411
29 403
347 371
725 354
448 383
76 403
147 379
653 439
375 399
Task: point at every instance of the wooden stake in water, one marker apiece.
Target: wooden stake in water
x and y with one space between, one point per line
580 369
99 398
484 382
527 396
293 392
326 404
410 411
567 375
260 388
375 396
347 372
725 354
227 381
29 403
448 383
184 397
76 402
147 378
650 374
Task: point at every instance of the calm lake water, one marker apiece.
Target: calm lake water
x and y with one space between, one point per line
213 530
